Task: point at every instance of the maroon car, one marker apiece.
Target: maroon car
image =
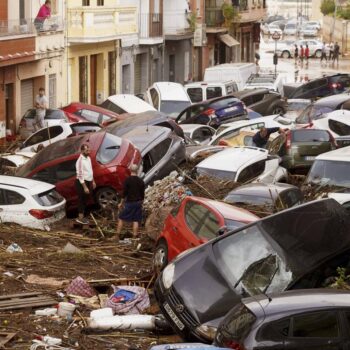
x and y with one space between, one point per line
111 158
81 112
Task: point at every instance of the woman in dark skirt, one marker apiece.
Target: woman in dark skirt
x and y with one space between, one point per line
131 204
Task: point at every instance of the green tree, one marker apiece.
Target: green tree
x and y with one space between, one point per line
229 13
327 7
344 12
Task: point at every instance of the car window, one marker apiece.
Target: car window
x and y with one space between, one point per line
202 134
194 216
109 148
231 88
248 100
44 135
308 135
159 151
274 331
289 198
112 107
45 175
154 97
257 97
251 171
210 226
48 198
91 116
316 325
248 140
339 127
55 114
213 91
80 128
8 197
30 114
195 94
65 170
241 198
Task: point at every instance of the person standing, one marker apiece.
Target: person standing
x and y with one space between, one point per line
43 14
336 52
41 104
131 204
262 136
84 183
296 54
323 53
301 55
307 54
331 51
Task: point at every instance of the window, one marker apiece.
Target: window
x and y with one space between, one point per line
109 148
91 116
202 134
86 2
251 171
43 135
248 140
154 97
240 324
274 331
55 114
100 2
80 129
112 107
45 175
195 94
8 197
290 198
339 127
231 88
159 151
65 170
257 97
48 198
213 92
309 135
210 226
316 325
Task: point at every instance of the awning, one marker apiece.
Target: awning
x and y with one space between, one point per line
228 40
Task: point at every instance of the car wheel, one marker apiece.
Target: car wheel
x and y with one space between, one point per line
318 53
286 54
277 110
160 259
107 197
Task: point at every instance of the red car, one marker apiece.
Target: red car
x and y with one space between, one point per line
195 221
110 155
81 112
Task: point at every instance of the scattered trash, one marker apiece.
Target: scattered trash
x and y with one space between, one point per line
65 309
81 288
52 282
101 313
71 249
14 248
25 300
5 338
8 274
46 312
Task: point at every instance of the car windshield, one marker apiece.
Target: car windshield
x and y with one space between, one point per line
297 106
109 148
220 174
332 173
173 108
309 135
312 113
250 264
48 198
248 199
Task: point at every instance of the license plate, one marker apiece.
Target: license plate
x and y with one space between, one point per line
310 157
231 109
172 315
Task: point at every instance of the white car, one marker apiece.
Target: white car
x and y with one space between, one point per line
11 161
290 28
126 103
232 129
308 30
169 98
30 203
271 29
315 47
243 164
52 134
337 123
315 24
200 134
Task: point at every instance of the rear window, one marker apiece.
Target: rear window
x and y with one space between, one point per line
310 135
48 198
55 114
195 94
173 108
213 91
248 200
220 174
109 148
112 107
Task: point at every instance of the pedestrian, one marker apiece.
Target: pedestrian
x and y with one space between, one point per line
41 105
262 136
307 54
301 55
43 14
84 183
131 204
331 51
336 52
323 53
296 54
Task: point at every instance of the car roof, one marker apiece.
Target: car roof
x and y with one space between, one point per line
295 301
333 100
233 158
263 190
341 154
92 108
33 186
341 115
131 103
170 91
228 211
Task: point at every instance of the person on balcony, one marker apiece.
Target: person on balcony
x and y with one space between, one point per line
43 14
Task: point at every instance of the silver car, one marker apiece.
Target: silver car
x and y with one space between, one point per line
315 47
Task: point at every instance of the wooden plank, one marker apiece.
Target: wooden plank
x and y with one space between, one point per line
29 305
25 301
5 338
10 296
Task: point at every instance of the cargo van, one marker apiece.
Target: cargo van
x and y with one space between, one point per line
202 91
238 72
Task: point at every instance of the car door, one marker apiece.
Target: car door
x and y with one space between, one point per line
320 330
12 207
258 104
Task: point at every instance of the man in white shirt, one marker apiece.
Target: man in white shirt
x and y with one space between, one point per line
41 103
84 183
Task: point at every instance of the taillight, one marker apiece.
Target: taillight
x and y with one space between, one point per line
335 86
231 344
288 140
40 214
209 111
223 143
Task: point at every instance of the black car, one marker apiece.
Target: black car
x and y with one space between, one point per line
293 249
321 87
263 101
303 319
146 118
214 112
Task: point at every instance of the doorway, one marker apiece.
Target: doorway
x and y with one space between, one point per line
10 108
171 67
126 79
93 79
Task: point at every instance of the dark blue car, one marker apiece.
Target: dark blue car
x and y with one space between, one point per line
214 112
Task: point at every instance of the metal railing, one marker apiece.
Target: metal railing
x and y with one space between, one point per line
151 25
214 17
26 26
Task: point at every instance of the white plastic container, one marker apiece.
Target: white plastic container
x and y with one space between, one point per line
46 312
146 322
101 313
65 309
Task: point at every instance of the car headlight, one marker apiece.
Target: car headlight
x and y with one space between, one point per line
207 332
168 276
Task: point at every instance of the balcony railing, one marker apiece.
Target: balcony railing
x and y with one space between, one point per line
26 26
151 25
176 23
214 17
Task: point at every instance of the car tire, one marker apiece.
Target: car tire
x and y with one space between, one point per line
277 110
160 259
285 54
107 197
318 53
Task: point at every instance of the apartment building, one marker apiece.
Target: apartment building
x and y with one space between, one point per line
29 59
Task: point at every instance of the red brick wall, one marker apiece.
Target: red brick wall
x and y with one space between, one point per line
3 9
16 45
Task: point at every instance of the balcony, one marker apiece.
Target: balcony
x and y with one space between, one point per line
176 23
89 24
151 28
214 17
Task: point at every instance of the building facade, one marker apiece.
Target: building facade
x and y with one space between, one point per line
29 59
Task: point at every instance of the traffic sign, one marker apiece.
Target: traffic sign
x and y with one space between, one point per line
276 36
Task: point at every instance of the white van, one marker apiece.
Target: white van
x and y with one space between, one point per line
238 72
167 97
202 91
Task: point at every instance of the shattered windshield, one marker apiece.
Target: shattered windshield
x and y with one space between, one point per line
250 263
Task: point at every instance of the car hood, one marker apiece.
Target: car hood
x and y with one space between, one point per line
202 287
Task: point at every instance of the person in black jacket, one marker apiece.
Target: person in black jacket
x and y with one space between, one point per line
262 136
131 203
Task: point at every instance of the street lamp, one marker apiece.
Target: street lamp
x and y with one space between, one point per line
275 36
